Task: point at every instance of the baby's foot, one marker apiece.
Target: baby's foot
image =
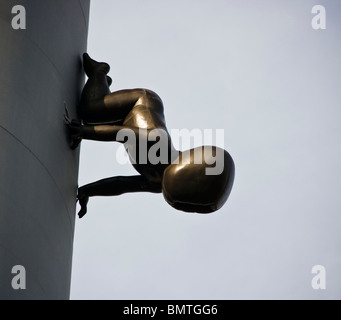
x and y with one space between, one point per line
92 67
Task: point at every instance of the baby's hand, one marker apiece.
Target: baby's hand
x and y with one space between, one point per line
75 129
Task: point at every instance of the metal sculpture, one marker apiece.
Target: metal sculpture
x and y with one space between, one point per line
136 118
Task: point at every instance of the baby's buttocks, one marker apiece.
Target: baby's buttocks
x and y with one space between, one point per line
147 113
138 117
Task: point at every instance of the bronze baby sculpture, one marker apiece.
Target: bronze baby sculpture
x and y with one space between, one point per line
136 118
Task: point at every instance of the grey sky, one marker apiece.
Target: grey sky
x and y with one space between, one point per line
259 71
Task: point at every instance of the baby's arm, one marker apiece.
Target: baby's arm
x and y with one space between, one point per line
110 132
105 132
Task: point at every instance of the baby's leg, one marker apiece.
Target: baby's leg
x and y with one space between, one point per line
98 105
113 107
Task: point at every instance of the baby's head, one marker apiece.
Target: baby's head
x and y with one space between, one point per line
199 180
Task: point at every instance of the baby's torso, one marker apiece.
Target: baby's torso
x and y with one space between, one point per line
148 114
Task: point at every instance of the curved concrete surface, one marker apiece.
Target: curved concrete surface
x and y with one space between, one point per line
41 68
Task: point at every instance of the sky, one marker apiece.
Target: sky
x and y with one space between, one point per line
259 71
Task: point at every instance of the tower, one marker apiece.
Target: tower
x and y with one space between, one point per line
41 68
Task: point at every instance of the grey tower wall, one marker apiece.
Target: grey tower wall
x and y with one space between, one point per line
40 69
